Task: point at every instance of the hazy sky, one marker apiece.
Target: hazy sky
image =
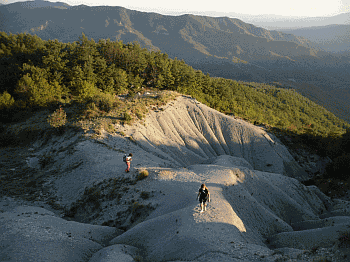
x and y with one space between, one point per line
294 8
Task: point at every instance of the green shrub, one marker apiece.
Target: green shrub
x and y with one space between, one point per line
144 195
139 115
85 90
45 160
89 114
136 206
58 118
131 93
127 117
121 80
104 101
91 106
6 100
38 92
138 258
142 175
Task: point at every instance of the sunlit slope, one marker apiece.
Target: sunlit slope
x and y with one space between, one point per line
187 132
247 206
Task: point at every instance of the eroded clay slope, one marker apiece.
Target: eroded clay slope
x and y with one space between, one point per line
187 132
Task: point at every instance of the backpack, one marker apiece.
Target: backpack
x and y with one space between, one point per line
124 158
207 195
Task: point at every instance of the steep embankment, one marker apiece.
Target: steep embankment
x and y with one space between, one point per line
257 203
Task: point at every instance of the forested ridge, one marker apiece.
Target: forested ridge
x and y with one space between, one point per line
89 75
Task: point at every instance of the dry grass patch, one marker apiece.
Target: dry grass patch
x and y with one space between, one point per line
166 174
142 174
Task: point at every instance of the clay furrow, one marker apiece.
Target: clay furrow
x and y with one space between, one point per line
188 134
144 143
205 145
208 132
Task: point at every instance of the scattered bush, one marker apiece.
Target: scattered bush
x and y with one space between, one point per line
84 90
104 101
6 100
58 118
138 258
139 115
142 175
90 114
144 195
131 93
91 106
136 206
127 117
45 160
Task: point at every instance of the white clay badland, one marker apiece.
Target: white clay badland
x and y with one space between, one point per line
259 210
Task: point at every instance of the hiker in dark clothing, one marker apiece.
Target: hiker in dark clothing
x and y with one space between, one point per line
203 196
127 161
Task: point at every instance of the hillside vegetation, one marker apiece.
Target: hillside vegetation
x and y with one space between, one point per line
221 46
91 79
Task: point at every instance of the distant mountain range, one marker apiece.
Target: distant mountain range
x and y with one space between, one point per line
332 38
295 23
224 47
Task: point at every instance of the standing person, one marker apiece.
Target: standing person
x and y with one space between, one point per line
128 160
203 195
